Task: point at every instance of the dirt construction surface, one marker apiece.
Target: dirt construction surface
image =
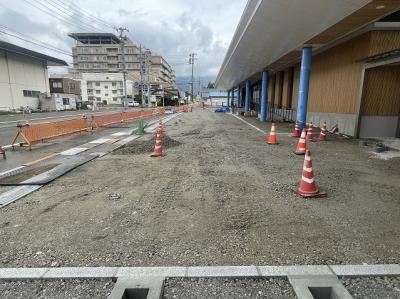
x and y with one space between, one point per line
220 196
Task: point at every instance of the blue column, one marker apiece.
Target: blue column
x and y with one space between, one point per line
247 99
303 87
264 96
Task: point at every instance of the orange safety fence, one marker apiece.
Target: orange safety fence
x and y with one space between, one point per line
2 152
99 121
34 133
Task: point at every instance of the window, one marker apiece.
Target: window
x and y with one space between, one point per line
98 99
106 94
106 86
72 85
97 91
115 99
114 92
114 84
97 83
57 84
31 93
65 101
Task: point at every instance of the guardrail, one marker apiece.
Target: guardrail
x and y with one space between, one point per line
34 133
281 113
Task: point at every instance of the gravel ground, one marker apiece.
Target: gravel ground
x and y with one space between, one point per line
50 289
222 197
373 287
229 288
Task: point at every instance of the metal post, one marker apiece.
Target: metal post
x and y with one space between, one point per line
247 98
264 96
303 87
229 95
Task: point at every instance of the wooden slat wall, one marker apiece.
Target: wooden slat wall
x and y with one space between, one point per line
296 81
287 86
384 41
271 89
382 91
336 77
278 89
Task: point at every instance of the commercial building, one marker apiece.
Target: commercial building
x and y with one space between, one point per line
23 76
214 97
104 88
335 61
65 94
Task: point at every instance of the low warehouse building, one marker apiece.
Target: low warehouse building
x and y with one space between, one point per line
23 76
333 61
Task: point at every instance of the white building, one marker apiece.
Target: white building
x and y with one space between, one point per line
104 88
23 76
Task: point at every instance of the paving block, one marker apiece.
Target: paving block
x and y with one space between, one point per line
22 273
223 271
152 271
366 270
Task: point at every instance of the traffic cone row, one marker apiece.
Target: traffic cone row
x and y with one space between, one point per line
308 187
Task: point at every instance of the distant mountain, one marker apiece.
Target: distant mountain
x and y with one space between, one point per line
183 82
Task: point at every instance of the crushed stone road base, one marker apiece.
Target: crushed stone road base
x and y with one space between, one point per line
222 197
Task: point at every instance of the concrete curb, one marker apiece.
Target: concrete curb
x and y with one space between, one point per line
216 271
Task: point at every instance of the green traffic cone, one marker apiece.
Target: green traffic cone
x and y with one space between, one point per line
140 129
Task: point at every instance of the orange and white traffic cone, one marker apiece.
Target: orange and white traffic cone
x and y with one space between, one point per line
308 186
322 134
296 132
272 136
160 127
310 136
301 145
158 151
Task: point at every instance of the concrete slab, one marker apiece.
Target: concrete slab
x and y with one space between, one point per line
16 193
74 151
100 141
312 287
119 134
81 272
144 287
366 270
294 270
11 171
223 271
21 273
152 271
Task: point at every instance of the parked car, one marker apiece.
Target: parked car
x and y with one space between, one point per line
133 104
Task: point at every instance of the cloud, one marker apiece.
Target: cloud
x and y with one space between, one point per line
173 29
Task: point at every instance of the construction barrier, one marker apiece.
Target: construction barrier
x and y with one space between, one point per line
34 133
2 152
104 120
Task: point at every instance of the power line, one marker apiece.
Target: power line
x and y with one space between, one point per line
74 9
38 44
66 12
55 15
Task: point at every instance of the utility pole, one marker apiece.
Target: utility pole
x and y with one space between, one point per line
191 61
122 39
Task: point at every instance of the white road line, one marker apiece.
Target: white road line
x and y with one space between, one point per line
254 127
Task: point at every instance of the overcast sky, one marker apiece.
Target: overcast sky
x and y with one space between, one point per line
173 28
